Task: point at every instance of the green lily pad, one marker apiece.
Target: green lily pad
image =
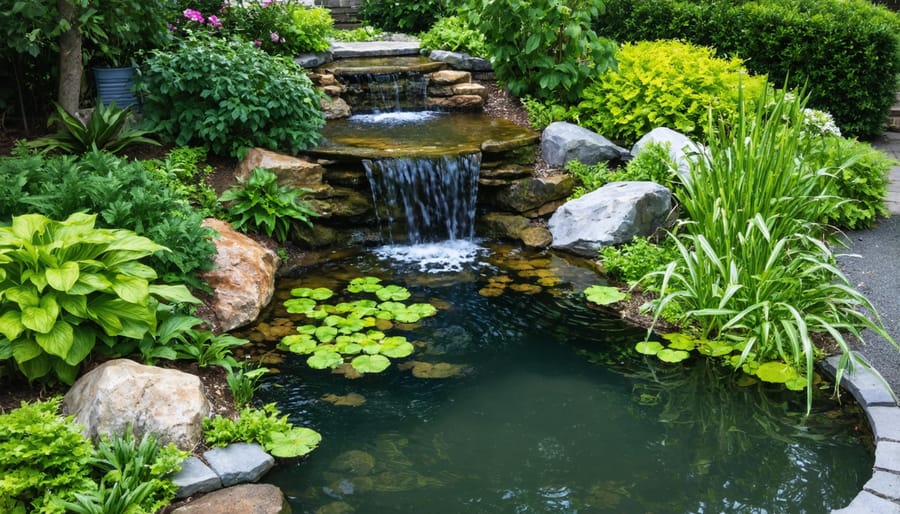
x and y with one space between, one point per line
396 347
364 285
714 348
648 347
392 292
385 315
364 307
424 310
370 363
296 442
669 355
406 317
375 335
796 384
604 295
299 343
324 359
776 372
307 329
343 308
299 305
347 347
679 341
333 319
370 346
392 307
317 313
326 334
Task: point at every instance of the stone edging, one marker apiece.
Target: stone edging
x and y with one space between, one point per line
882 492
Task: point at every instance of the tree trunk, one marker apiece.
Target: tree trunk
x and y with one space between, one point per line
70 67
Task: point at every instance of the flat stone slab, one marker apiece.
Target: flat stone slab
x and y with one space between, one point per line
195 477
867 503
865 385
239 463
342 50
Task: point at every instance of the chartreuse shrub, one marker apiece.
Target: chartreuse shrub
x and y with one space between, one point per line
543 48
261 204
411 16
265 426
754 271
48 466
66 285
345 332
846 52
229 96
147 199
454 34
665 84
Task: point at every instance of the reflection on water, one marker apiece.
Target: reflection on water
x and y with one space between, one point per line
548 411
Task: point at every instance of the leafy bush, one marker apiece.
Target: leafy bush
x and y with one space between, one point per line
261 204
411 16
453 33
43 459
229 97
846 52
64 285
124 194
106 130
652 164
542 113
664 84
589 177
754 270
365 33
265 426
182 169
630 262
543 48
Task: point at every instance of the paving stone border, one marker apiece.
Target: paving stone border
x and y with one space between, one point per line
234 464
881 493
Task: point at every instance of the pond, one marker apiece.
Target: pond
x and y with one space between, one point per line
521 399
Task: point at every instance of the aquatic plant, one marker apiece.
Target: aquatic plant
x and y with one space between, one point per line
347 331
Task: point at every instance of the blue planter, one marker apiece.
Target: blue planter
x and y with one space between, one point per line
114 85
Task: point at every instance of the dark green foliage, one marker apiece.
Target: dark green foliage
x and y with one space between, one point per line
124 194
410 16
106 130
543 113
453 33
265 426
260 204
652 164
632 261
230 96
846 52
42 456
280 28
543 48
182 170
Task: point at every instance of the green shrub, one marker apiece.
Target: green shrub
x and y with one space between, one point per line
544 112
846 52
454 34
229 97
652 164
44 458
543 48
182 169
124 194
265 426
630 262
859 177
106 130
65 285
589 177
260 204
366 33
412 16
664 84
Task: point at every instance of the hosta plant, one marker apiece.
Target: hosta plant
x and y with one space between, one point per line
65 285
260 204
107 129
347 331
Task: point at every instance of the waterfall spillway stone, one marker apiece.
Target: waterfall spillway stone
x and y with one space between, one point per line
436 196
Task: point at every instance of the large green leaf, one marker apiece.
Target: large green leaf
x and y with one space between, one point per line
648 347
24 296
82 344
11 324
75 305
5 349
669 355
28 225
323 359
35 368
57 341
396 347
295 443
177 294
392 292
66 372
776 372
63 277
370 363
25 350
604 295
131 289
364 285
42 318
299 305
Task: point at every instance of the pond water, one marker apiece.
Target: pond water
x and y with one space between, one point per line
546 409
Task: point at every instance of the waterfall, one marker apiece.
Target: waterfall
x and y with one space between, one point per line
435 196
387 92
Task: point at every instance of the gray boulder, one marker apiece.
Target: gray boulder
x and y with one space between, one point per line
562 142
461 61
682 151
240 499
195 477
118 393
239 463
611 215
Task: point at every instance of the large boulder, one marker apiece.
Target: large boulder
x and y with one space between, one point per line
562 142
292 171
611 215
682 151
242 278
168 403
460 61
531 193
240 499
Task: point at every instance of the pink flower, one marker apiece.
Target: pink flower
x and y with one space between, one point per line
257 43
266 3
274 37
193 15
214 21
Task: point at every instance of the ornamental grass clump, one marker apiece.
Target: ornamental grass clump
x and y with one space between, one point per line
754 267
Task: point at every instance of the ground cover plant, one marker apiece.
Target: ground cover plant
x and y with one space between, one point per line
265 426
453 33
229 96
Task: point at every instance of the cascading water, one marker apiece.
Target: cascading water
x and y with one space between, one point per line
436 196
388 92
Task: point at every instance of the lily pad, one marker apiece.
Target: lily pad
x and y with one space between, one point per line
796 384
406 317
326 334
296 442
324 359
364 285
679 341
714 348
424 310
490 292
370 363
299 305
669 355
317 313
604 295
299 343
776 372
396 347
648 347
392 292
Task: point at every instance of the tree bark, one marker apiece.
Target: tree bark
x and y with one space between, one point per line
70 66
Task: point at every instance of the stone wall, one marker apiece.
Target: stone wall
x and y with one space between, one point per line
344 12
